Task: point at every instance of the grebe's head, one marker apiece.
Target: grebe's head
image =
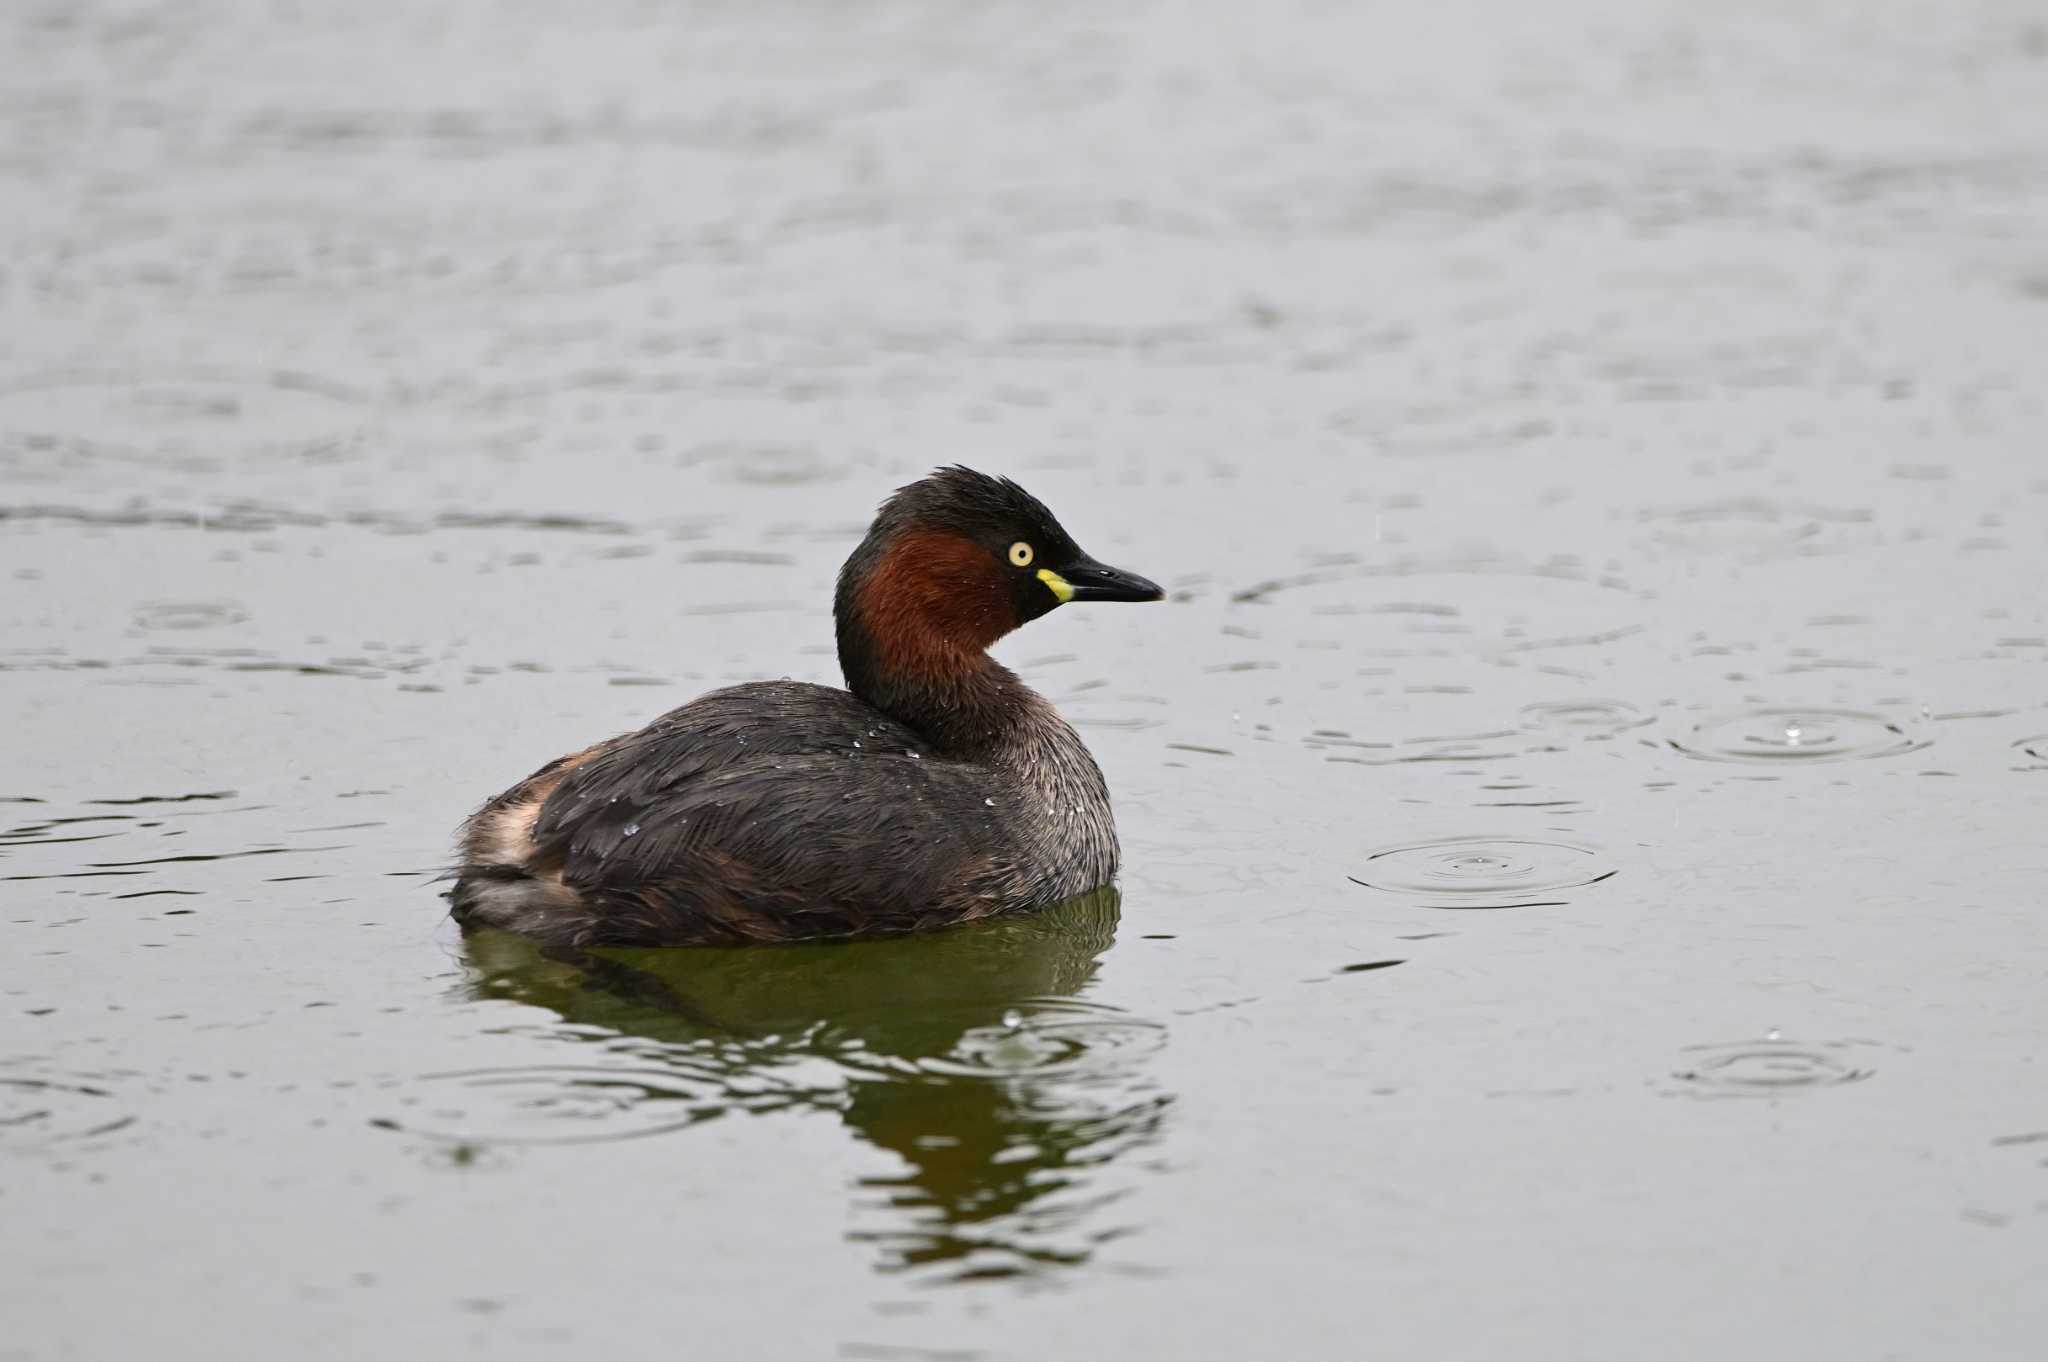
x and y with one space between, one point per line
952 563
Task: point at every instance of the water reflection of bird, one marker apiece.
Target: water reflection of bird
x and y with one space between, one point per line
937 788
969 1054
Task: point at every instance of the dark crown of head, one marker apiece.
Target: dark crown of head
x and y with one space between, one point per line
958 498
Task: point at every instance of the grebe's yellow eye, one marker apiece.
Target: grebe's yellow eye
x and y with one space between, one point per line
1020 554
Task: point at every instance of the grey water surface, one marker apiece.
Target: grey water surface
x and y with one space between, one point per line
1583 801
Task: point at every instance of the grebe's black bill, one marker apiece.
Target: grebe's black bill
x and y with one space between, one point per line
1084 579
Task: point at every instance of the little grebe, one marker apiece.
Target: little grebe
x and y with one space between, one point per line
936 788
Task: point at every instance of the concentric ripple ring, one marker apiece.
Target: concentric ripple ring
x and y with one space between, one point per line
1040 1038
1766 1069
1782 734
1591 720
543 1104
1484 872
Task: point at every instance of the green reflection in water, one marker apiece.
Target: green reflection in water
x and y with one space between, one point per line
969 1054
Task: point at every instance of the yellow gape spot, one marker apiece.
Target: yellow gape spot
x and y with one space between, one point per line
1058 585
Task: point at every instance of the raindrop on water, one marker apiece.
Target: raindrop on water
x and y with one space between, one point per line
1770 734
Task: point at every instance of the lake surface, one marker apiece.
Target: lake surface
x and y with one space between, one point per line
1583 801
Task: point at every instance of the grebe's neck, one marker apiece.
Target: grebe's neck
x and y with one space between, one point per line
968 705
916 611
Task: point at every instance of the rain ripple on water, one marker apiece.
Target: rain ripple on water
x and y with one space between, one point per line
1589 720
1047 1038
1766 1068
1484 872
550 1104
1775 734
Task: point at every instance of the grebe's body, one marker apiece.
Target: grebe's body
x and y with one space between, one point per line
938 788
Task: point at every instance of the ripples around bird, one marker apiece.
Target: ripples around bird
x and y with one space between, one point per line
970 1055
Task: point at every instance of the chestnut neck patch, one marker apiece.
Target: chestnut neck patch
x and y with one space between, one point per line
932 604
